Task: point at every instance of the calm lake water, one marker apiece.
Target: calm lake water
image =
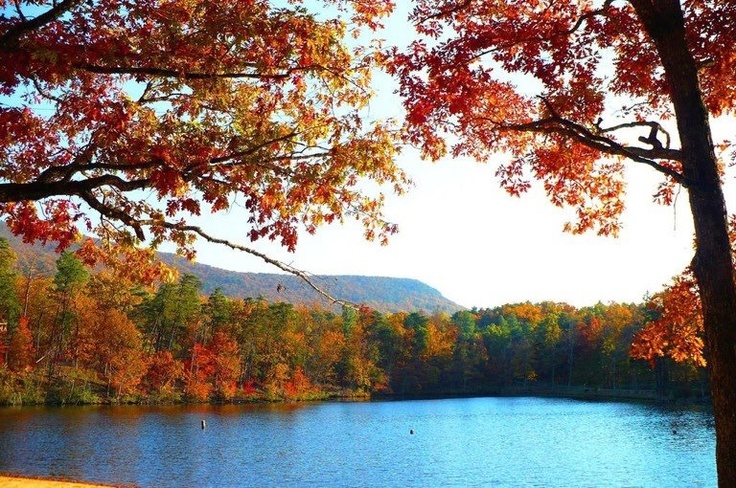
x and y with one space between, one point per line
495 442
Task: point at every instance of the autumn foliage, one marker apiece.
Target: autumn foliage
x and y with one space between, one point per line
131 119
677 330
569 91
92 343
21 352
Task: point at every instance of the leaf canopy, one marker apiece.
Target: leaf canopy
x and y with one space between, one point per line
568 89
129 118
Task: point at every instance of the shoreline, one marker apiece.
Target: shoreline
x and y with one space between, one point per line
537 390
9 480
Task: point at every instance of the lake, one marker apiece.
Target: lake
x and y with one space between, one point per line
494 442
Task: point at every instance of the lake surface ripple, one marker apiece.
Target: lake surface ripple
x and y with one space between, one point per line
483 442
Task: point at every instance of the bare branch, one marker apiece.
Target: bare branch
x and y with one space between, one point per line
279 264
651 139
587 15
254 149
113 212
43 92
447 11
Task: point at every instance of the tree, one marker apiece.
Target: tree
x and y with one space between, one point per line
357 368
326 345
218 313
108 342
199 372
162 375
69 280
9 302
20 350
549 337
466 339
387 334
226 361
168 314
130 119
611 82
677 326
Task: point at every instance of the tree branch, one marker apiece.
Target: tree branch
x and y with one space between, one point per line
524 40
575 131
9 39
191 75
108 211
38 190
652 139
442 13
279 264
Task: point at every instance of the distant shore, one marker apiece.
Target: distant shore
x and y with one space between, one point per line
559 391
13 481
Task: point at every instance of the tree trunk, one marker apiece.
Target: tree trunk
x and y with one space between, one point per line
713 269
713 261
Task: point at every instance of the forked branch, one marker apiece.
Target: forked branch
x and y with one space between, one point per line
595 140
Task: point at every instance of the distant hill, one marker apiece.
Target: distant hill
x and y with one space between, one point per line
381 293
38 258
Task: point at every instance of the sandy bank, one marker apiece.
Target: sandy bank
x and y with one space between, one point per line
8 481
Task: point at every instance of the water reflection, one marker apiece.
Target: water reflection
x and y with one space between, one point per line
459 442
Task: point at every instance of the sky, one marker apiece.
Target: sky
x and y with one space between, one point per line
463 235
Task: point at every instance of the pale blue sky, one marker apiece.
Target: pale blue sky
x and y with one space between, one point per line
461 234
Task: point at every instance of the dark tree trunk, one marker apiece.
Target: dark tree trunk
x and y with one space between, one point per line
713 261
714 271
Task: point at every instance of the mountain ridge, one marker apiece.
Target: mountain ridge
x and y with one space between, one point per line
384 294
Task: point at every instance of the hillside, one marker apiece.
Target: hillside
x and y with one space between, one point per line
381 293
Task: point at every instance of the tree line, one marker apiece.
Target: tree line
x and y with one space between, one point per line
89 337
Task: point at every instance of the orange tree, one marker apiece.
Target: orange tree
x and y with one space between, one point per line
676 327
573 89
129 118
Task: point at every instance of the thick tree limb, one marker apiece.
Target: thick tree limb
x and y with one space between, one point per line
36 190
10 38
191 75
579 133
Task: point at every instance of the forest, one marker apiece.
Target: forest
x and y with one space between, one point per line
91 336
